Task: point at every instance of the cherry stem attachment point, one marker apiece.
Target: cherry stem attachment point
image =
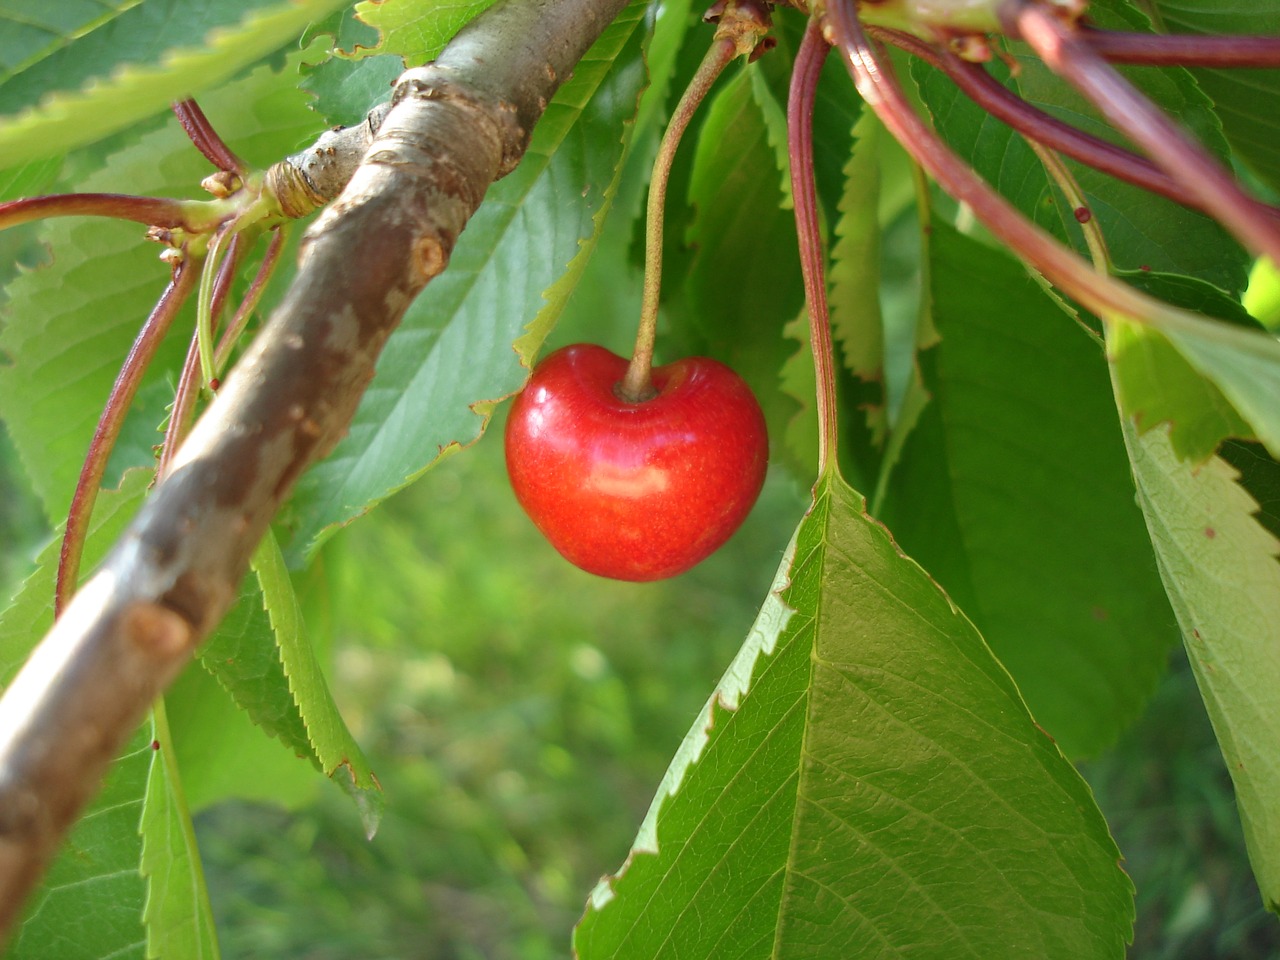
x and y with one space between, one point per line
107 431
804 84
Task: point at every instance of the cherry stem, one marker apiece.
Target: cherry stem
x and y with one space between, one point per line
804 83
206 139
222 262
123 392
1075 197
1183 50
1212 187
192 215
182 412
637 385
1102 294
1036 125
252 296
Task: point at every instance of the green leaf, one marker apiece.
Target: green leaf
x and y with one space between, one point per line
1014 491
1219 566
222 754
416 30
30 32
1243 98
68 326
355 76
743 282
865 782
327 736
90 904
135 64
1156 385
451 360
245 658
854 282
30 616
178 916
1244 364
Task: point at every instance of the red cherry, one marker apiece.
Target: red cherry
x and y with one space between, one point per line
635 491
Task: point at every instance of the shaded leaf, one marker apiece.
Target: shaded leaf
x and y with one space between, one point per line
743 282
1014 491
854 290
1142 230
90 904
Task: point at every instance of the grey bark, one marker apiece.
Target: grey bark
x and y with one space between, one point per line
454 127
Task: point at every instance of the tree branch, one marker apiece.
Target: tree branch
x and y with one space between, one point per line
454 126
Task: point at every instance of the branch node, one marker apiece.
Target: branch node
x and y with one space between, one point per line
156 631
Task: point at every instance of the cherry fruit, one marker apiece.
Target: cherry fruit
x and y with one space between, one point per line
635 490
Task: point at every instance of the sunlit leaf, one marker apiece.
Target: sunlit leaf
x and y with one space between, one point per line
1220 568
327 736
865 782
415 30
221 752
67 327
135 64
1157 386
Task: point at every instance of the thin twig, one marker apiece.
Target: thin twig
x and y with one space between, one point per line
1034 124
192 215
249 303
1183 50
1212 187
107 431
804 84
206 139
873 75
